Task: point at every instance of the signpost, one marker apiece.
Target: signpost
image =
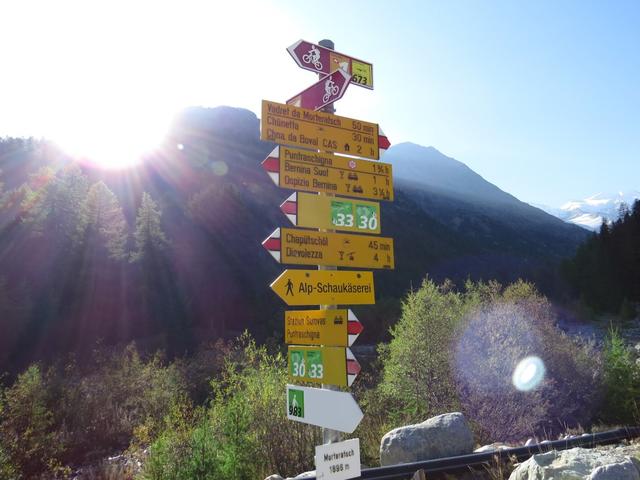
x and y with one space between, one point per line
325 60
336 328
324 408
320 364
324 287
338 461
328 90
308 247
300 127
309 136
326 173
342 214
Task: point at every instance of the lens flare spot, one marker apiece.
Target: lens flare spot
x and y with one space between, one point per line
219 168
528 374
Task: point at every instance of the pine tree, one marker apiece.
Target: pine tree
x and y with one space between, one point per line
106 220
57 207
149 237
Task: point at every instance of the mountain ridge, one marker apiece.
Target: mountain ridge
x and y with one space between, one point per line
218 205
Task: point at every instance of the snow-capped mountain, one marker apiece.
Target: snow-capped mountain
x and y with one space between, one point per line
590 212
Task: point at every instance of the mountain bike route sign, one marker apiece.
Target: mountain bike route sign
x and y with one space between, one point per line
328 90
319 59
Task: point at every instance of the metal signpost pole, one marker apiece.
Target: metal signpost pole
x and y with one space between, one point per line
328 435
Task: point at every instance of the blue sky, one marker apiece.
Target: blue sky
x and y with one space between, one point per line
540 98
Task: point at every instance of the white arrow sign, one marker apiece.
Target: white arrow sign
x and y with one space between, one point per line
323 408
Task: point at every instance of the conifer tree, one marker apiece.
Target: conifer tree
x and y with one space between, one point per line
106 220
57 207
149 236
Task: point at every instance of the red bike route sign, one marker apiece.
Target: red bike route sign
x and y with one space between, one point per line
329 89
319 59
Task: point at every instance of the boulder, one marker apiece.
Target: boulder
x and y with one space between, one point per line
446 435
625 470
579 464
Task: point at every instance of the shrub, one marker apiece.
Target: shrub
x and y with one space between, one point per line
458 350
245 428
417 379
101 409
186 448
496 338
28 436
622 382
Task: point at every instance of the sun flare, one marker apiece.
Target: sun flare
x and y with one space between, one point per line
111 138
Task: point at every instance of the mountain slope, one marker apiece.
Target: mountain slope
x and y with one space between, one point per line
218 205
458 197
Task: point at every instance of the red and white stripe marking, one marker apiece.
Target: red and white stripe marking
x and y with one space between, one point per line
354 327
290 208
383 141
272 244
353 367
272 165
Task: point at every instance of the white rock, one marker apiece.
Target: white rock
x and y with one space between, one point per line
446 435
625 470
577 464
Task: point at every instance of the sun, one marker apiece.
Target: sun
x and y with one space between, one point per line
111 138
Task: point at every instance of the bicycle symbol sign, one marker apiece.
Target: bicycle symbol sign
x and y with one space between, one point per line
313 57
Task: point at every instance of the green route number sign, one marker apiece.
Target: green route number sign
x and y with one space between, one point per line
296 403
349 214
306 364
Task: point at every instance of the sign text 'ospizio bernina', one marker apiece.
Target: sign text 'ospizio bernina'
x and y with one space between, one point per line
300 127
309 171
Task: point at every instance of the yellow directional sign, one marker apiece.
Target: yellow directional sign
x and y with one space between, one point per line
325 287
326 173
308 247
332 213
288 125
336 328
318 365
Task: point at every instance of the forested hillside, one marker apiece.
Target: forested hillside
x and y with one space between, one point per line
169 253
605 272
